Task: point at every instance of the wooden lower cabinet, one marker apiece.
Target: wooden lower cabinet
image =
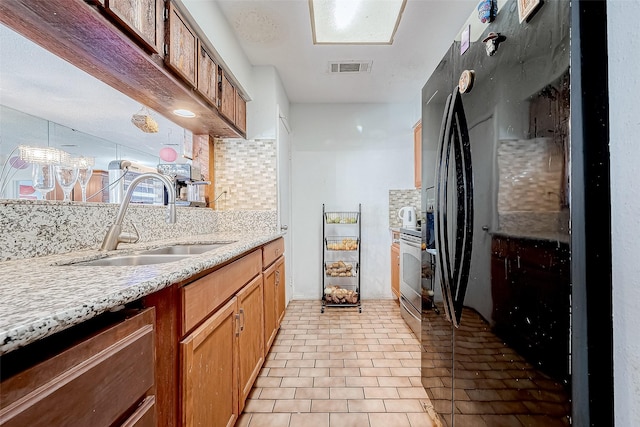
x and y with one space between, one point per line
103 379
221 360
210 371
251 338
395 270
274 300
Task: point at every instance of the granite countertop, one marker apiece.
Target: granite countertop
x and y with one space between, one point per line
41 296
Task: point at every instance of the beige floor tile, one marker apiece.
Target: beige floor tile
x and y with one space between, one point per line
349 420
297 382
272 363
305 363
388 363
361 381
358 363
268 382
278 393
346 393
343 372
381 393
388 420
259 405
284 372
312 393
288 356
393 381
412 393
328 382
366 405
243 420
329 363
374 372
270 420
329 405
292 405
402 405
316 355
309 420
314 372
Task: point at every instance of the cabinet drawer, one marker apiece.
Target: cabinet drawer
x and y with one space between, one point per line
93 383
145 414
271 252
201 297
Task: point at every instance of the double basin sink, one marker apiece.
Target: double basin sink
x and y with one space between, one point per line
154 256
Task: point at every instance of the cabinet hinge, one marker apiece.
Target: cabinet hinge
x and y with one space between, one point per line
166 13
166 49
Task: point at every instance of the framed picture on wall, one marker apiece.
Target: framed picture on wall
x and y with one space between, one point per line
526 9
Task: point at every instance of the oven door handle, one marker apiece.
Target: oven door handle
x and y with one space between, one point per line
404 302
412 244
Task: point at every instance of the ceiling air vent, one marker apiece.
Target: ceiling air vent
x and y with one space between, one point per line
350 67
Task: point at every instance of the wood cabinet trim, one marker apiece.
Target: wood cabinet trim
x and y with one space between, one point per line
145 414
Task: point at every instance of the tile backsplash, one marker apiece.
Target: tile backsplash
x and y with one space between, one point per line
247 168
531 175
39 228
400 198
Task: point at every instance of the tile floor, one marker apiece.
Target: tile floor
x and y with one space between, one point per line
340 368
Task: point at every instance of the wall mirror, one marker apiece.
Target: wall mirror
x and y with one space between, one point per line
47 102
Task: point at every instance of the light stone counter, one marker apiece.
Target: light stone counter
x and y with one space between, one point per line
42 296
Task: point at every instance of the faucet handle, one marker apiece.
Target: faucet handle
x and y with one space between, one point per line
130 237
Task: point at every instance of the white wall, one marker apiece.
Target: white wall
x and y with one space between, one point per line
624 87
342 155
262 111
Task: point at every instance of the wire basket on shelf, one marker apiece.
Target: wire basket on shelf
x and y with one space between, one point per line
341 217
347 243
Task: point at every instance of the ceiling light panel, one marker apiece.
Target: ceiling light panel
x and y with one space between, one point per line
355 21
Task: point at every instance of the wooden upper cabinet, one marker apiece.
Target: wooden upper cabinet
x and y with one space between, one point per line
207 76
241 113
227 98
183 44
417 154
142 18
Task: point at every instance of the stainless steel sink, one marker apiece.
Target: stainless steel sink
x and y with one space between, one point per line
131 260
186 249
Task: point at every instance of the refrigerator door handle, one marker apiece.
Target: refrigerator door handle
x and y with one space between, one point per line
454 140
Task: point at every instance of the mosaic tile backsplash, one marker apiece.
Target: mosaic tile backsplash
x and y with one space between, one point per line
531 174
248 170
39 228
400 198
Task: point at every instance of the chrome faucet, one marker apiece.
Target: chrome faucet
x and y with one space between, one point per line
115 235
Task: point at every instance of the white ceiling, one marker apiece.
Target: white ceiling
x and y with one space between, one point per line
278 33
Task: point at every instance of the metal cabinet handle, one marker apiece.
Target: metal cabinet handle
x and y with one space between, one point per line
241 319
506 268
237 325
277 277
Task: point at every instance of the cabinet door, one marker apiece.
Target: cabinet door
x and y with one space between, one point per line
227 99
417 154
207 76
241 113
183 43
270 319
395 270
143 18
251 339
210 371
281 294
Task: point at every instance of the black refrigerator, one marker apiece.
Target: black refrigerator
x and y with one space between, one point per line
496 317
